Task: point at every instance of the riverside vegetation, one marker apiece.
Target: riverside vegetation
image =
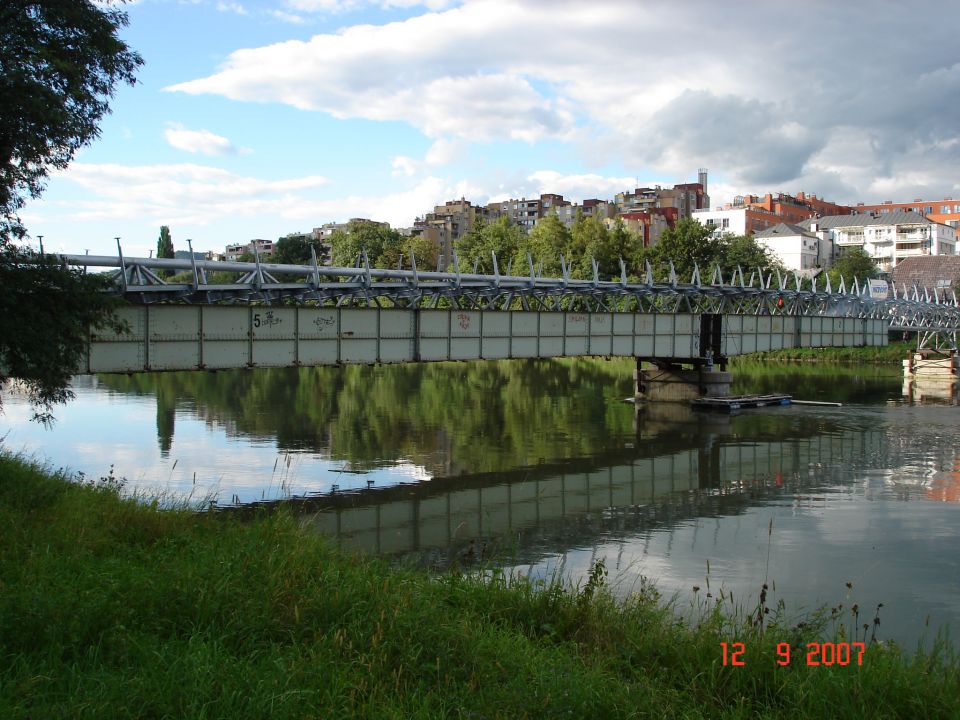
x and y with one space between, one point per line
113 607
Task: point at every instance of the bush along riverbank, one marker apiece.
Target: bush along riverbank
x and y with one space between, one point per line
113 608
894 354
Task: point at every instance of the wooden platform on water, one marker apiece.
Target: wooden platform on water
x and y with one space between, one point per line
734 403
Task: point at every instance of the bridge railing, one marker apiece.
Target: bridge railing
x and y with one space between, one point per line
761 292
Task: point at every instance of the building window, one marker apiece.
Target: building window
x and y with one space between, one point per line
928 209
944 208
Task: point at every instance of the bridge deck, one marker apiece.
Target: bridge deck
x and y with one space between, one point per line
191 337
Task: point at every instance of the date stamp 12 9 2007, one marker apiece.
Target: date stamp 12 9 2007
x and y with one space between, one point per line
817 653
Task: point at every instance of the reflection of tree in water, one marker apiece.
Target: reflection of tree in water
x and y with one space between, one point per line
483 415
166 418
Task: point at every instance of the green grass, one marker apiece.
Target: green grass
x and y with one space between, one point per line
894 353
113 608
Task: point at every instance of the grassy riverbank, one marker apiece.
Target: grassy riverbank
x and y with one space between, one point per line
111 608
894 353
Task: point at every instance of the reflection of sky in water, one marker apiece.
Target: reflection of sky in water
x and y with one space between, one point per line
905 555
100 428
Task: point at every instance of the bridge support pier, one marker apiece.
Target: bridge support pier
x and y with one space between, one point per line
930 374
669 381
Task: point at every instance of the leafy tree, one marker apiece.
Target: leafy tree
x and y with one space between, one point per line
741 251
502 237
608 247
61 62
165 248
165 243
684 244
550 239
425 250
292 250
855 263
382 244
59 65
46 311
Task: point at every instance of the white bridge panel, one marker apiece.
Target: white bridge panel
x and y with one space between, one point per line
466 323
225 323
434 323
273 323
551 324
395 350
223 354
358 323
496 324
526 324
497 348
177 337
319 352
524 347
318 324
464 348
174 355
577 324
274 353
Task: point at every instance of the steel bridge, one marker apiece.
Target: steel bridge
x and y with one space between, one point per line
239 314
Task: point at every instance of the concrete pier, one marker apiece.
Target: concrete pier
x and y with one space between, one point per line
673 383
930 374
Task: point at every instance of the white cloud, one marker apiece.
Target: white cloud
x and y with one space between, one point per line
199 195
291 18
200 141
232 7
579 187
185 193
671 88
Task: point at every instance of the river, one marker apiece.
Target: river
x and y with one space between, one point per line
541 465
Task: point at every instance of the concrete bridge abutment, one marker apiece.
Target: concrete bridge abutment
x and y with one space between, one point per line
670 382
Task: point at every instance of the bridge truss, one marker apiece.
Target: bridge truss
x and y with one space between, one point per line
934 315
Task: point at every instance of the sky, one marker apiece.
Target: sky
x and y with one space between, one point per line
254 119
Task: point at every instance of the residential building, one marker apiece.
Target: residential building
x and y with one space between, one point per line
648 225
737 221
445 225
790 209
888 238
799 250
946 211
259 247
685 198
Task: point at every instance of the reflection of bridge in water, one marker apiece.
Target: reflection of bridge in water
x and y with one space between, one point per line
295 315
682 472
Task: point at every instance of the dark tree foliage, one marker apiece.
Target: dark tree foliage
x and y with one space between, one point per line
60 61
853 264
292 250
165 243
46 311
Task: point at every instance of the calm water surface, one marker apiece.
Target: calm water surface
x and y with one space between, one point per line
542 463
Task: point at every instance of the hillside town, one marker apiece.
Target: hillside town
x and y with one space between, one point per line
804 232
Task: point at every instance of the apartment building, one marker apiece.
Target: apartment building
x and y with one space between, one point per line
789 208
800 250
259 247
888 238
685 198
746 220
447 224
648 225
945 211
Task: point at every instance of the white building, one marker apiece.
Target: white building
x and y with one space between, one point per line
737 221
799 250
887 238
